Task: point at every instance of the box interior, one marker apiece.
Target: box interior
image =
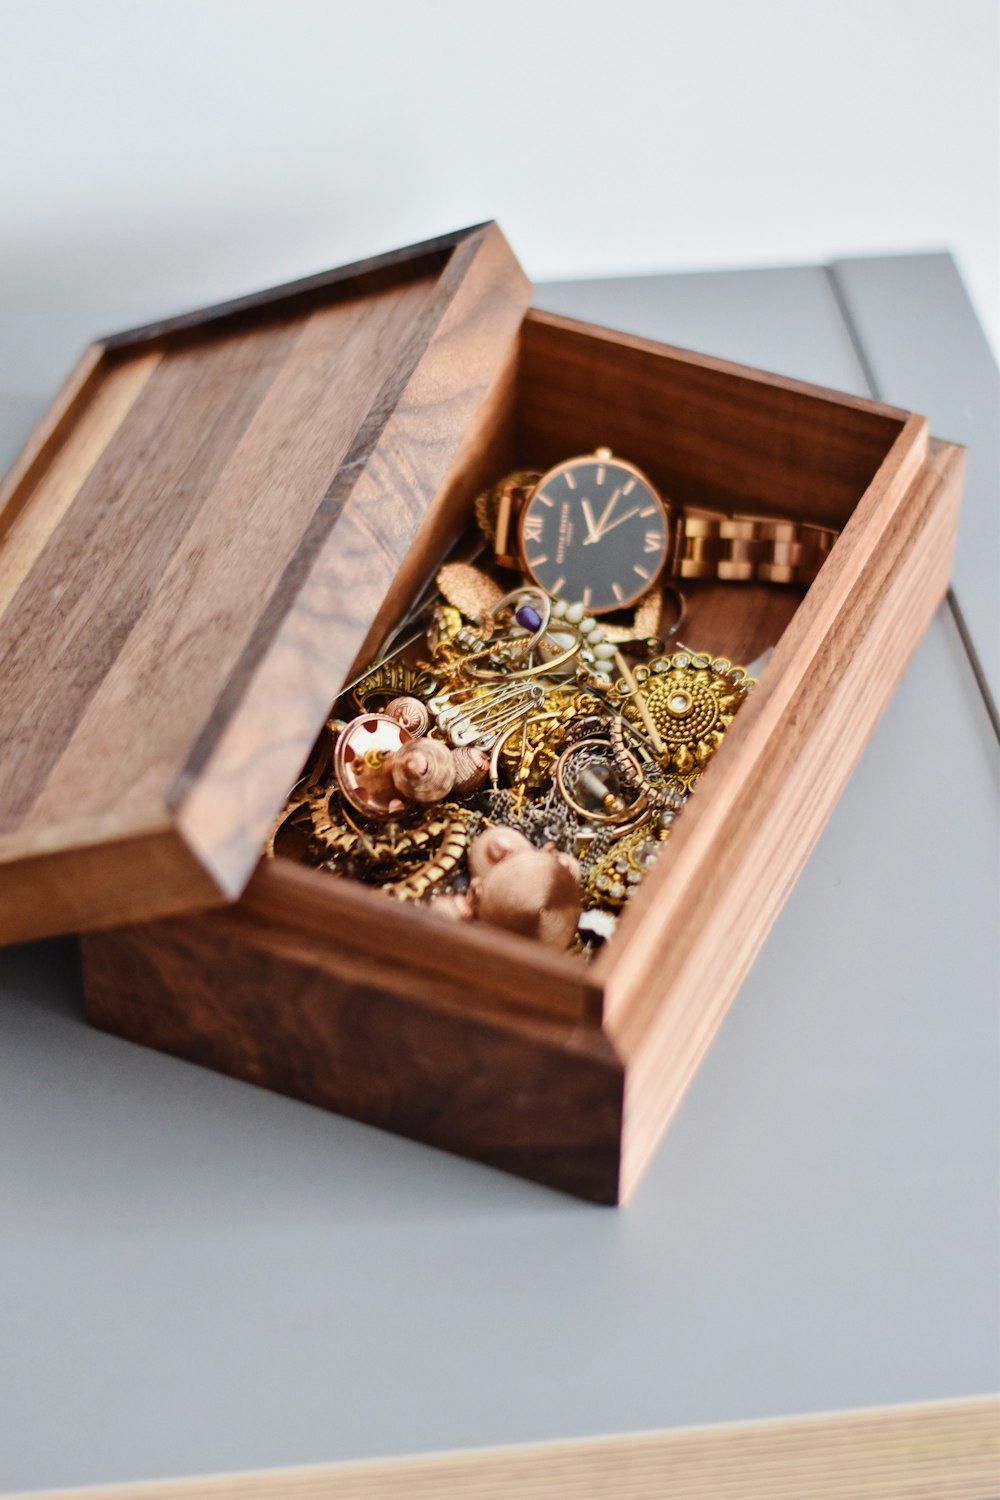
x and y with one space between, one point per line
707 434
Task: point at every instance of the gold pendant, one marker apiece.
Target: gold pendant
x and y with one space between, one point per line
690 699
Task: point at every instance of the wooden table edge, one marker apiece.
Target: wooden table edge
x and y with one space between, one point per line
939 1450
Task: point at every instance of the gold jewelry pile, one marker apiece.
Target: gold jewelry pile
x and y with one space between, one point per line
518 763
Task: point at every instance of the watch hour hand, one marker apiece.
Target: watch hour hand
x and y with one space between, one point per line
593 531
598 529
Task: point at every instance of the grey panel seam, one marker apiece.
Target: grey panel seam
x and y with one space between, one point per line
860 352
844 306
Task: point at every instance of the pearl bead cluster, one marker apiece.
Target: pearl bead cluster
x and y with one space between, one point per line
594 644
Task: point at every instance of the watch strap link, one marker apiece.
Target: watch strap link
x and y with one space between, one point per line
498 511
743 548
705 544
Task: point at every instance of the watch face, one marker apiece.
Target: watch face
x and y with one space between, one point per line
594 530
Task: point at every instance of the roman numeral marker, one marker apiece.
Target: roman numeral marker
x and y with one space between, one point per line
533 528
654 541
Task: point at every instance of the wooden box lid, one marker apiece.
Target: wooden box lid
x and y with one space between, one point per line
193 548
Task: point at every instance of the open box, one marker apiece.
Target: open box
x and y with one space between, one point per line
221 517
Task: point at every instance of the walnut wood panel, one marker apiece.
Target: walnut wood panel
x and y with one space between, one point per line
373 274
708 432
198 542
737 621
97 880
885 523
297 660
540 1099
761 811
493 970
932 1450
26 535
101 571
28 468
487 449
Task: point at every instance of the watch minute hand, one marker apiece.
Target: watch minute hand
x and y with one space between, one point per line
618 522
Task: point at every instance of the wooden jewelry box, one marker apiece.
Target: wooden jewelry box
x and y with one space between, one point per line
220 518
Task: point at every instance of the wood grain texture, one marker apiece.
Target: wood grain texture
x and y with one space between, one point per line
71 650
199 541
17 485
708 432
763 808
339 575
373 274
354 1033
948 1450
736 621
70 465
909 492
96 878
512 974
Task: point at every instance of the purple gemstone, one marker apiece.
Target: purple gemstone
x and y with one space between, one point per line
528 618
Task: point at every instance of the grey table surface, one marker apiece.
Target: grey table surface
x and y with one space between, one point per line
197 1276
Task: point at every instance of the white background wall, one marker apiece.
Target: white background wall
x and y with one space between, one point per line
159 153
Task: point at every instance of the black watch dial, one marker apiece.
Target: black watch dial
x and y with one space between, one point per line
594 530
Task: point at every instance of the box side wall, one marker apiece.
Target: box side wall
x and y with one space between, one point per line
708 433
495 972
539 1100
664 1020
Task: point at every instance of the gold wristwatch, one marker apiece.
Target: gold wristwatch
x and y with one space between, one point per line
594 529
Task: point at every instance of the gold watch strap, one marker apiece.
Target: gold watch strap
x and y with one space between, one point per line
498 511
705 545
748 548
